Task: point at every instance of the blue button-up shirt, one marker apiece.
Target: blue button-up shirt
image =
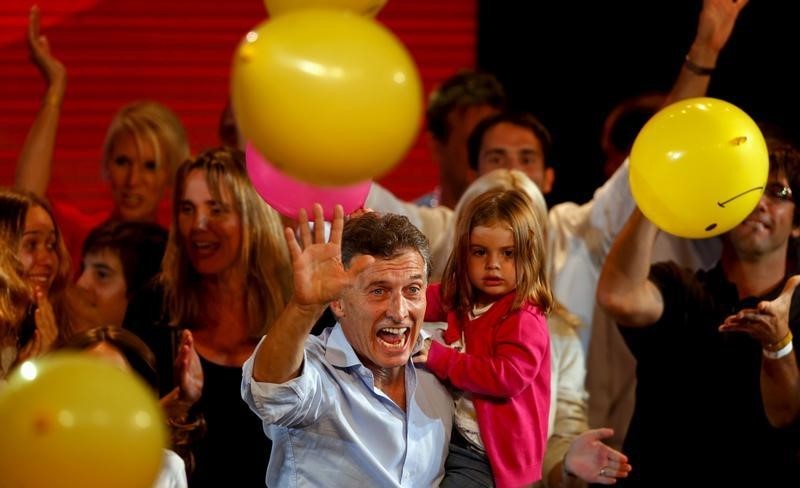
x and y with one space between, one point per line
332 427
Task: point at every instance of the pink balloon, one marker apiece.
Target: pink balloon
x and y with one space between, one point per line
288 195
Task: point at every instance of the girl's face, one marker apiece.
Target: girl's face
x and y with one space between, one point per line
491 264
138 182
211 229
37 249
103 279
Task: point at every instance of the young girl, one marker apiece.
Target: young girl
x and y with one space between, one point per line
495 296
27 227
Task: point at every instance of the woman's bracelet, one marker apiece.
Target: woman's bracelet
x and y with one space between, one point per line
780 344
784 351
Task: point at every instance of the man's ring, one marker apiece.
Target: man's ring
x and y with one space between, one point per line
603 470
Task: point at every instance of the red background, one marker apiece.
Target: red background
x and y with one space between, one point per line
178 52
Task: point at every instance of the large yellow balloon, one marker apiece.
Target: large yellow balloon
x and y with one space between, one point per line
698 167
68 420
328 97
364 7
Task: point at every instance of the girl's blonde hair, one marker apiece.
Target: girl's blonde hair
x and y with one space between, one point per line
514 208
15 296
499 179
263 258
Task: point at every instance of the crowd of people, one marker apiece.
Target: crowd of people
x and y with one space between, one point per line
471 338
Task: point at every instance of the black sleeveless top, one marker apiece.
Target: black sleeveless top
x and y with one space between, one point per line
234 451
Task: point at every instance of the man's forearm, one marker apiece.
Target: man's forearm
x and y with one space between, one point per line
780 389
280 356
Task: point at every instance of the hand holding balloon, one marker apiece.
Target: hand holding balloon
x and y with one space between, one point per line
698 167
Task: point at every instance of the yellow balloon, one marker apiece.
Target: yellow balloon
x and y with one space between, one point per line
69 420
328 97
363 7
698 167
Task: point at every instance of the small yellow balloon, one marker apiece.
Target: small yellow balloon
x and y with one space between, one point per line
328 97
363 7
69 420
698 167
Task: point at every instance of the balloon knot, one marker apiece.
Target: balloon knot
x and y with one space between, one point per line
738 141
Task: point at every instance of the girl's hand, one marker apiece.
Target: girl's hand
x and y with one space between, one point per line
46 326
359 212
421 356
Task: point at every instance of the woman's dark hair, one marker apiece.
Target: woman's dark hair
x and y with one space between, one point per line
136 352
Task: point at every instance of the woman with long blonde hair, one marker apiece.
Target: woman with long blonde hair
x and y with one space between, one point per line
226 276
38 256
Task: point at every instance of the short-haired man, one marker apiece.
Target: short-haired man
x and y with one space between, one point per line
454 109
348 407
718 398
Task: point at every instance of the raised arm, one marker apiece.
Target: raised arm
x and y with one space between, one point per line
319 278
623 289
714 28
35 159
780 377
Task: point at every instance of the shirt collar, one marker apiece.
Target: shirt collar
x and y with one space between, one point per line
717 277
338 350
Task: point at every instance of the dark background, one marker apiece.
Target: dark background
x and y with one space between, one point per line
570 63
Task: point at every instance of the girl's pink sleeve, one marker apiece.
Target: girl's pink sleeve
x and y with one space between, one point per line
434 312
520 347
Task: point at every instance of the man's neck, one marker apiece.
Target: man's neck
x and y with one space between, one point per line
391 381
757 276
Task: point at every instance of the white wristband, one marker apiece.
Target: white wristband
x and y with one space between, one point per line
784 351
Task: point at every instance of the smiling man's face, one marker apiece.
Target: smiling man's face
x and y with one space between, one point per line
767 228
382 313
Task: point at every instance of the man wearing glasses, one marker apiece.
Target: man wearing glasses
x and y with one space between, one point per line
724 398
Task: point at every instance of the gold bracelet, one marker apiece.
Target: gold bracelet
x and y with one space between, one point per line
697 69
780 344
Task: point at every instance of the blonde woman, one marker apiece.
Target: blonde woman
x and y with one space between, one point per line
226 276
144 145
